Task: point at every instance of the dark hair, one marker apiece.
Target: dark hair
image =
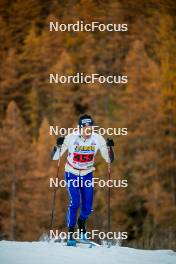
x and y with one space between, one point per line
85 116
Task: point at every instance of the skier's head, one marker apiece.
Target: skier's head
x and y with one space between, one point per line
85 124
85 120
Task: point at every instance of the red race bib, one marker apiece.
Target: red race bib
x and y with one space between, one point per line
82 157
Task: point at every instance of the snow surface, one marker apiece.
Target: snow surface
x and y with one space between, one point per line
56 253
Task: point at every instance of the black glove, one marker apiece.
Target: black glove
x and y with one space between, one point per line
60 141
110 142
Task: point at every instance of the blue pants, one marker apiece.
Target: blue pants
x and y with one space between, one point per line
79 188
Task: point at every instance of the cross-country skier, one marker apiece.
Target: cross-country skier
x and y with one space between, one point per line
82 148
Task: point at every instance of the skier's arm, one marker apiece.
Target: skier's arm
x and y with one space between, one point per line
60 148
107 155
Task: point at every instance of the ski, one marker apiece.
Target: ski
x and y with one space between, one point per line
87 242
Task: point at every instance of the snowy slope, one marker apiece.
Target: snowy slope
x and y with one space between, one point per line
56 253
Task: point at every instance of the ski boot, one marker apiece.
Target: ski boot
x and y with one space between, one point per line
82 229
71 242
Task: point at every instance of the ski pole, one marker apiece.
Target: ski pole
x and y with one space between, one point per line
109 196
110 144
54 194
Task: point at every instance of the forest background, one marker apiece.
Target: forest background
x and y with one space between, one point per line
146 53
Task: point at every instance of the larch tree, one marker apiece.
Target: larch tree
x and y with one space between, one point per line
165 50
16 166
139 158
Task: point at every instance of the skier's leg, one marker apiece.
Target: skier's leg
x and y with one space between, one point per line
87 201
74 199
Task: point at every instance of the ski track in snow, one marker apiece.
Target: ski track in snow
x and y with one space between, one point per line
56 253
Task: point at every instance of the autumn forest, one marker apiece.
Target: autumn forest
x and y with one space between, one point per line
146 106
